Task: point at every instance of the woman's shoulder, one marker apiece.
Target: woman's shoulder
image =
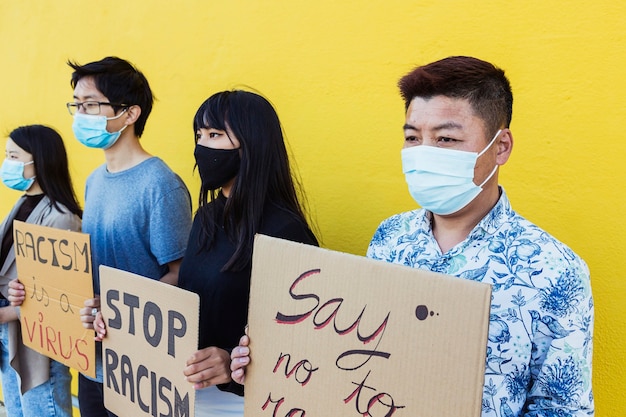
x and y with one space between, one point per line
282 223
59 216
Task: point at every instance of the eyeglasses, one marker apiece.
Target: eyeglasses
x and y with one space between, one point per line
90 107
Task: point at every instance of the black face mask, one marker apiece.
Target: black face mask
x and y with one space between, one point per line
216 166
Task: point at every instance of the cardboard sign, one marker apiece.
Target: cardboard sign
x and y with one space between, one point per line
152 329
55 267
334 334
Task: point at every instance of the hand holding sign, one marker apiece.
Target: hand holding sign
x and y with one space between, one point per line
99 327
16 293
87 315
239 359
207 367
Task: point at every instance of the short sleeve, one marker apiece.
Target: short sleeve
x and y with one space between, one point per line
170 224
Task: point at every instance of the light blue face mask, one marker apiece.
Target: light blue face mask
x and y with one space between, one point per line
442 180
92 131
12 173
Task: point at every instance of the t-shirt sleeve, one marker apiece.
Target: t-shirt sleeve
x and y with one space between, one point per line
170 224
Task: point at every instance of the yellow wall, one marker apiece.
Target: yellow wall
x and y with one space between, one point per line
330 68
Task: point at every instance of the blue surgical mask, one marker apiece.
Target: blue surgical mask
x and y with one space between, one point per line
92 131
12 173
442 180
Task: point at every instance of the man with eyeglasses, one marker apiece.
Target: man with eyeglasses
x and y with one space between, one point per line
137 211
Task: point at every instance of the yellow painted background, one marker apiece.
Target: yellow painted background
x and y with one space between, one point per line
330 68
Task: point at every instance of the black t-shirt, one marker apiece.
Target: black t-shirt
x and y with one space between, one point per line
224 295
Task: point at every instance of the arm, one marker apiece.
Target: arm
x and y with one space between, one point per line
170 224
562 383
7 314
172 275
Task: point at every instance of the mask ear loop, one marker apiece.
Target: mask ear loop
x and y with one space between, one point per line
28 163
490 143
493 171
119 115
489 176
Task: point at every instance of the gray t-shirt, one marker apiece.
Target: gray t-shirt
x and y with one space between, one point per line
138 219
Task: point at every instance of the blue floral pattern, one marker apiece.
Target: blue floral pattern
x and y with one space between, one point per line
539 347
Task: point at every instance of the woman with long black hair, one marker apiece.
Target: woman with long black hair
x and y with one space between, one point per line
247 188
36 163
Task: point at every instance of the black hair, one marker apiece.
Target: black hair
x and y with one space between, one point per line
264 175
121 83
481 83
51 164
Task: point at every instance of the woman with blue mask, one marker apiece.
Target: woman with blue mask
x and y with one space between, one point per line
36 164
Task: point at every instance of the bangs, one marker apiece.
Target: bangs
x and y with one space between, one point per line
212 114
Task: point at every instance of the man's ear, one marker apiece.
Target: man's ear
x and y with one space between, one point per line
132 114
504 145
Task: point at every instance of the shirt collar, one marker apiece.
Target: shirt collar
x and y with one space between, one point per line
499 215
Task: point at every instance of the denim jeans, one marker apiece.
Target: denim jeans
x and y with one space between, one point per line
52 398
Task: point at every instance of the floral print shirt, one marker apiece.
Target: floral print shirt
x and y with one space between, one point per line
539 346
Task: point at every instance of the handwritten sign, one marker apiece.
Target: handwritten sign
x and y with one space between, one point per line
152 329
334 334
55 267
